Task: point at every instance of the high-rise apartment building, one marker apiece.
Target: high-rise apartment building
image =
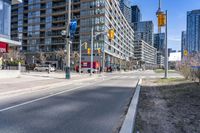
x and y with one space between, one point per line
183 42
193 31
5 21
39 24
145 54
144 31
136 15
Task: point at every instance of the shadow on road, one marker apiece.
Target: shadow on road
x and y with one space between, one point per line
99 110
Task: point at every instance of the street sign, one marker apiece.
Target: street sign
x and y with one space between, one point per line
73 27
185 53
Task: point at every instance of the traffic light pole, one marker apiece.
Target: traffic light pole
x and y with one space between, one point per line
92 43
67 71
80 57
166 48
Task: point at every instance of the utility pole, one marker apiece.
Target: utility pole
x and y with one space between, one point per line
80 58
166 48
159 11
92 42
103 57
162 21
67 71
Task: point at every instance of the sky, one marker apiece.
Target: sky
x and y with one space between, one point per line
177 14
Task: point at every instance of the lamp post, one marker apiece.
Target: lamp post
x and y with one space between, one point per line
33 59
92 43
80 53
166 49
67 71
92 49
80 57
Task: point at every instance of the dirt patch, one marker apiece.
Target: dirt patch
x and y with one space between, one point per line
165 108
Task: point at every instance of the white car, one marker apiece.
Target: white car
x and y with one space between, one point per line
45 68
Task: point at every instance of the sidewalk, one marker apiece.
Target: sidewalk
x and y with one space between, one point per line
53 75
39 81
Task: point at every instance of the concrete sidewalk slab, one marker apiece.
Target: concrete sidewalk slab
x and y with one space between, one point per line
33 85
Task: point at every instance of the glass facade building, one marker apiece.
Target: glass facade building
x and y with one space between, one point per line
183 42
193 31
136 15
42 21
159 42
5 18
126 10
144 31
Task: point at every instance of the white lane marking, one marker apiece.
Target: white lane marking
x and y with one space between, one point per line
52 95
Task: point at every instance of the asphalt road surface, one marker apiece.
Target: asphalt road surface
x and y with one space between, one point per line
94 107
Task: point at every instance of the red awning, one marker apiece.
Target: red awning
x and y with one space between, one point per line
3 47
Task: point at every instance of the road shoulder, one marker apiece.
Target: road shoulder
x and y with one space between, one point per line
169 108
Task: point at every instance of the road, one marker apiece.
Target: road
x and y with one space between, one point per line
93 107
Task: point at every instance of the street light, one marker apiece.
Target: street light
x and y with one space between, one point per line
66 33
92 48
33 58
85 43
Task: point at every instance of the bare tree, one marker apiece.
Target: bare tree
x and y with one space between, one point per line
76 57
42 57
61 54
14 55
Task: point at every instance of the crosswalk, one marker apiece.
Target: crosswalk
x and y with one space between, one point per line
145 77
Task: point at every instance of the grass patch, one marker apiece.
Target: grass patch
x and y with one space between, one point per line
163 71
170 80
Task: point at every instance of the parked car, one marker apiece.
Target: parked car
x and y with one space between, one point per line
45 68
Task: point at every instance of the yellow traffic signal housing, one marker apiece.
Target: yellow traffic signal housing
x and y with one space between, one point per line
185 52
85 44
111 34
89 51
99 50
161 19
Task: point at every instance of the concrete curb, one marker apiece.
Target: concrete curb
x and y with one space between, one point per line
44 87
129 122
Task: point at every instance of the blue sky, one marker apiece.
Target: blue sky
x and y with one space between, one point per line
177 10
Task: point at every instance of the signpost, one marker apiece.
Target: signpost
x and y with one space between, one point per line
73 27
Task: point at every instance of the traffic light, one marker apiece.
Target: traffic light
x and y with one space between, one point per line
161 19
111 34
89 51
85 44
99 50
185 52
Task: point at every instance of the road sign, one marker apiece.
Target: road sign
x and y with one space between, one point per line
185 53
73 26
